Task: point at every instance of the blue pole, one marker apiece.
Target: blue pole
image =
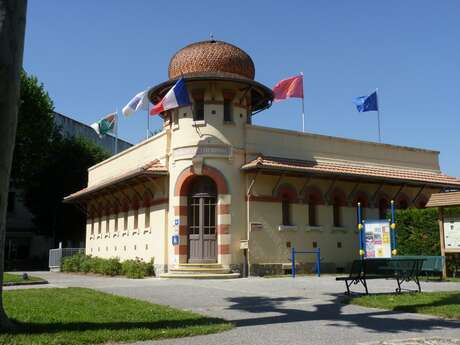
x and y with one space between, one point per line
293 262
318 260
360 231
393 228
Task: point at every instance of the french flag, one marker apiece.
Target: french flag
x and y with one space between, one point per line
176 97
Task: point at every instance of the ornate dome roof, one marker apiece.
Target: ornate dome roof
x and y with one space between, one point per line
211 57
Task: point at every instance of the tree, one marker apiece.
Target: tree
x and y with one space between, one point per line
64 172
12 28
36 131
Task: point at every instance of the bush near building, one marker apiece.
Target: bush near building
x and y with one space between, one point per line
417 233
110 267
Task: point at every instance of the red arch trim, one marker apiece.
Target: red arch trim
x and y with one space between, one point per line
185 177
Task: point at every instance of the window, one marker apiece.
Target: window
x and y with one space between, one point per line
337 213
125 220
136 218
312 213
228 111
116 221
107 224
286 211
11 201
403 204
314 244
99 225
198 105
383 208
147 217
92 226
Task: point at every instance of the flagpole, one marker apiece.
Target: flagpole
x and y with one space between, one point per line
378 115
303 107
148 120
116 132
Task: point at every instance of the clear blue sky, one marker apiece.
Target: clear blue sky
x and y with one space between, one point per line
93 56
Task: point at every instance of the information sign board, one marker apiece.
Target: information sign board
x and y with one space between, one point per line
377 239
452 233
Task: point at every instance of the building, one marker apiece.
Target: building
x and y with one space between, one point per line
221 183
24 247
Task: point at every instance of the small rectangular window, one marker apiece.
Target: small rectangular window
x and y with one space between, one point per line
99 225
116 222
198 110
286 210
92 226
125 220
228 111
337 215
136 218
107 224
314 244
147 217
312 217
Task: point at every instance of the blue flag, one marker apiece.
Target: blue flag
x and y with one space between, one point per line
367 103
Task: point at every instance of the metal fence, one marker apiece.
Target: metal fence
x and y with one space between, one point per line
56 255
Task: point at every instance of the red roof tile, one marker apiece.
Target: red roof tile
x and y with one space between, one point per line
151 168
350 171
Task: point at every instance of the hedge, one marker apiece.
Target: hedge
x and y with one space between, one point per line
111 267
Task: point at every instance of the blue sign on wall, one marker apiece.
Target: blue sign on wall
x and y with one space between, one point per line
175 240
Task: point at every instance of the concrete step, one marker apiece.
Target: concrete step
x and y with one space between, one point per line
200 275
182 269
201 265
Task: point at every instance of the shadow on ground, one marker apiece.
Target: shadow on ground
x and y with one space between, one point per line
370 319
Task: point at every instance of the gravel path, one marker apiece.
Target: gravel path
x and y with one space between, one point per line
281 310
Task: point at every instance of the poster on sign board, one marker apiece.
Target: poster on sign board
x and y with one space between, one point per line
452 234
377 239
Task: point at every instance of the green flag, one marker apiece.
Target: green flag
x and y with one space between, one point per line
105 125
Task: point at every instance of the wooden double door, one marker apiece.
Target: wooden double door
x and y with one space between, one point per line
202 229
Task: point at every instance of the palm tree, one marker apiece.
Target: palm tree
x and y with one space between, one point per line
12 28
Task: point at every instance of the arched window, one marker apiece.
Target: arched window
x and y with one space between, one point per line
337 212
363 199
288 195
384 205
286 211
338 202
198 105
313 198
402 202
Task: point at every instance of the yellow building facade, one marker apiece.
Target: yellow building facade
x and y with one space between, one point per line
211 183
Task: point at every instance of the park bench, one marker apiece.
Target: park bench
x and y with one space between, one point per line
400 269
432 265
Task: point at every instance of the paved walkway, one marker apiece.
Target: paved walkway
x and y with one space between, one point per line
281 310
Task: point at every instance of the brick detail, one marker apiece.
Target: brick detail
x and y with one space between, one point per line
185 177
180 249
180 210
223 229
223 249
223 209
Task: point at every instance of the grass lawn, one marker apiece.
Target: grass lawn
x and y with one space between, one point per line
443 304
75 316
17 278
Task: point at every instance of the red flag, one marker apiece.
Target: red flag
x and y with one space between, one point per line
290 87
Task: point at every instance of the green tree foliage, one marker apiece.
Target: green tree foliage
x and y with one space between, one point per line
48 166
417 232
36 131
64 172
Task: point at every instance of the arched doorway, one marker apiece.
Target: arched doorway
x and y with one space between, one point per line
202 234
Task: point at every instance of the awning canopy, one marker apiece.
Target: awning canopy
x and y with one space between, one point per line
447 199
151 170
352 172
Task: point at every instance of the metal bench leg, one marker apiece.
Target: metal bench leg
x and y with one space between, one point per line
348 287
363 281
417 281
398 290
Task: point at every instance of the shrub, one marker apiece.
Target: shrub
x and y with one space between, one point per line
417 232
137 268
110 267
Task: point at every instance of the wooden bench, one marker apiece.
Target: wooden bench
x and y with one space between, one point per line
400 269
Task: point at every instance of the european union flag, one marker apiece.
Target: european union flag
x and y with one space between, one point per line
367 103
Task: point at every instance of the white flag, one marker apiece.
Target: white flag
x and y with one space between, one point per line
139 102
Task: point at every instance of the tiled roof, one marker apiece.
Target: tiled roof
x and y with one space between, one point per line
352 171
444 199
152 168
